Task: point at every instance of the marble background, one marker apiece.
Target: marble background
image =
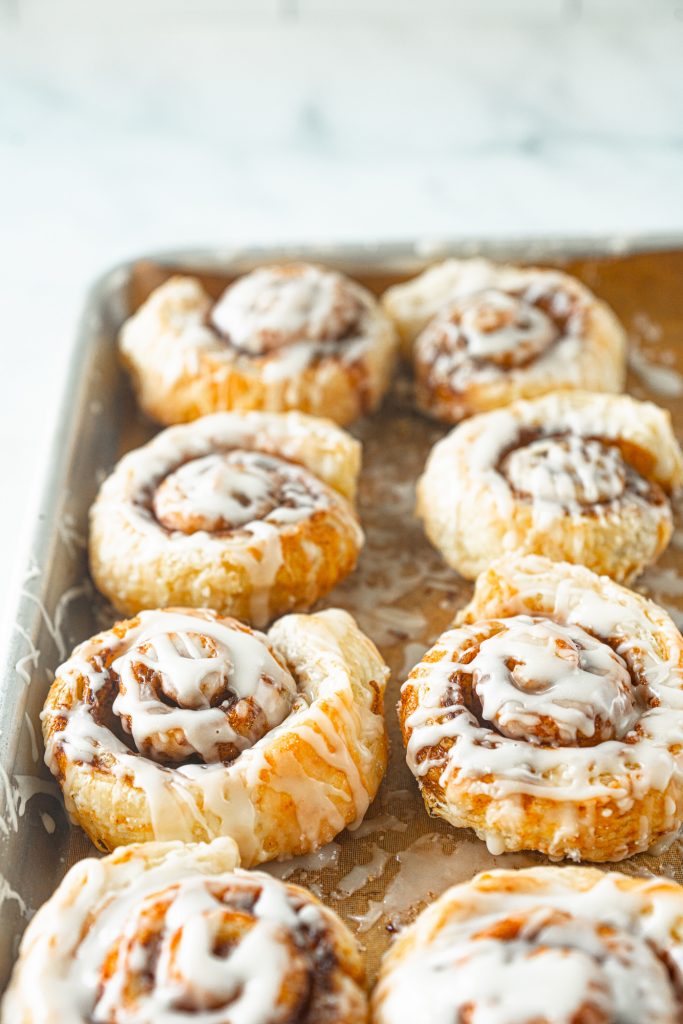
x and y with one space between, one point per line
144 124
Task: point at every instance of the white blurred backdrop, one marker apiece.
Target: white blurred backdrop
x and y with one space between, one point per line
138 124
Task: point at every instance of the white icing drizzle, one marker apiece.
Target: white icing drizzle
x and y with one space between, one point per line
28 661
187 684
384 822
277 306
494 323
17 791
48 822
501 329
10 895
660 379
215 487
290 317
535 674
232 490
562 454
26 787
326 857
569 471
50 626
428 866
31 730
573 475
547 952
220 797
218 493
566 682
10 820
167 943
360 874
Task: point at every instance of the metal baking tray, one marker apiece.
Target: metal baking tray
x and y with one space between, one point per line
402 594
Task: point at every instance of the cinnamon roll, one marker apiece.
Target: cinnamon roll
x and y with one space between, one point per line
295 336
550 717
161 933
542 945
247 513
576 476
181 724
481 335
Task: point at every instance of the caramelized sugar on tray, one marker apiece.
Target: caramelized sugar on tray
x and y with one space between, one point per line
403 596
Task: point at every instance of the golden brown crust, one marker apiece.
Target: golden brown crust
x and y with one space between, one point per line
414 304
160 529
540 945
575 476
481 335
183 366
163 928
602 664
291 791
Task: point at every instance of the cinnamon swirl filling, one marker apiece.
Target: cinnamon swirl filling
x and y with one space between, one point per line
220 949
536 949
228 490
532 679
187 688
579 708
524 683
274 308
168 933
494 331
574 472
184 724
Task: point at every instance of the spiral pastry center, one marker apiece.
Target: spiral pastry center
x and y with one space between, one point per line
568 470
501 328
195 688
226 951
547 967
272 308
230 490
491 329
215 492
552 684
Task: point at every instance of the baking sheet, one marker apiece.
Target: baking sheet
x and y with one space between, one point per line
403 596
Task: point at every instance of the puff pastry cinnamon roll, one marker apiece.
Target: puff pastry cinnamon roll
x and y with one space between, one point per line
295 336
247 513
482 335
181 724
572 475
542 945
550 717
163 932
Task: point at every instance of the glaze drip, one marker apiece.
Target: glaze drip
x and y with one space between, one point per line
194 687
224 950
551 684
574 472
179 935
494 331
276 307
540 705
230 490
196 690
539 961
